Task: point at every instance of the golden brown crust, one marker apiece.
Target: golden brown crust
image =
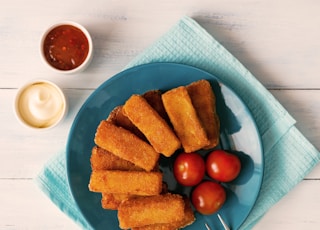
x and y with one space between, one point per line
188 219
126 145
118 118
142 211
153 98
126 182
113 200
152 125
184 119
102 159
203 100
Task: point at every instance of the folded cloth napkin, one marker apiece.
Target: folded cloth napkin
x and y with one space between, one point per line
288 156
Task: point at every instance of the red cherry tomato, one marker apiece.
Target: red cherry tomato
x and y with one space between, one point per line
208 197
189 169
223 166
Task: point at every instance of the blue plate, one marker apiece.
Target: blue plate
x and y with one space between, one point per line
238 134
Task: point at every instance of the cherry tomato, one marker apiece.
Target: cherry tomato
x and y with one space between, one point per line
189 169
223 166
208 197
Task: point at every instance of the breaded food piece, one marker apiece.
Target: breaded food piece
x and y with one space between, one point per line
184 119
112 201
102 159
152 125
118 118
153 98
204 101
126 182
169 226
188 219
142 211
126 145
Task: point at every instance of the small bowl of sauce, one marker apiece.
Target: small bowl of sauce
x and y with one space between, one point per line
67 47
40 104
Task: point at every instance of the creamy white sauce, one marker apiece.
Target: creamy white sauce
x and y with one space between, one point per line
41 105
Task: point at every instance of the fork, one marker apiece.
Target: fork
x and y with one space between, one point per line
225 226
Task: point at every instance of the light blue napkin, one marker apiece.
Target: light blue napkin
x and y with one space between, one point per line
289 157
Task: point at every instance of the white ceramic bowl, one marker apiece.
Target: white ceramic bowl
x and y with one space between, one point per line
84 64
40 105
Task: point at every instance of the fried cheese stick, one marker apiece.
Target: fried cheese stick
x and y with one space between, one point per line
102 159
126 182
152 125
113 200
118 118
153 97
142 211
204 101
184 119
126 145
188 219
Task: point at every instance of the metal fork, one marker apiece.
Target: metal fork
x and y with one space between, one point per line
225 226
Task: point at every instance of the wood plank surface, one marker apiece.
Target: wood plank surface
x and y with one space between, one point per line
278 41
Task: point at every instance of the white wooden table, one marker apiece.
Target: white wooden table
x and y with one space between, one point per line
278 41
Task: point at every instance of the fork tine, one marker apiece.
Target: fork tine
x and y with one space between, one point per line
225 226
207 226
223 223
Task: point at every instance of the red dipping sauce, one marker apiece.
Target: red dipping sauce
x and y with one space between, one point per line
65 47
